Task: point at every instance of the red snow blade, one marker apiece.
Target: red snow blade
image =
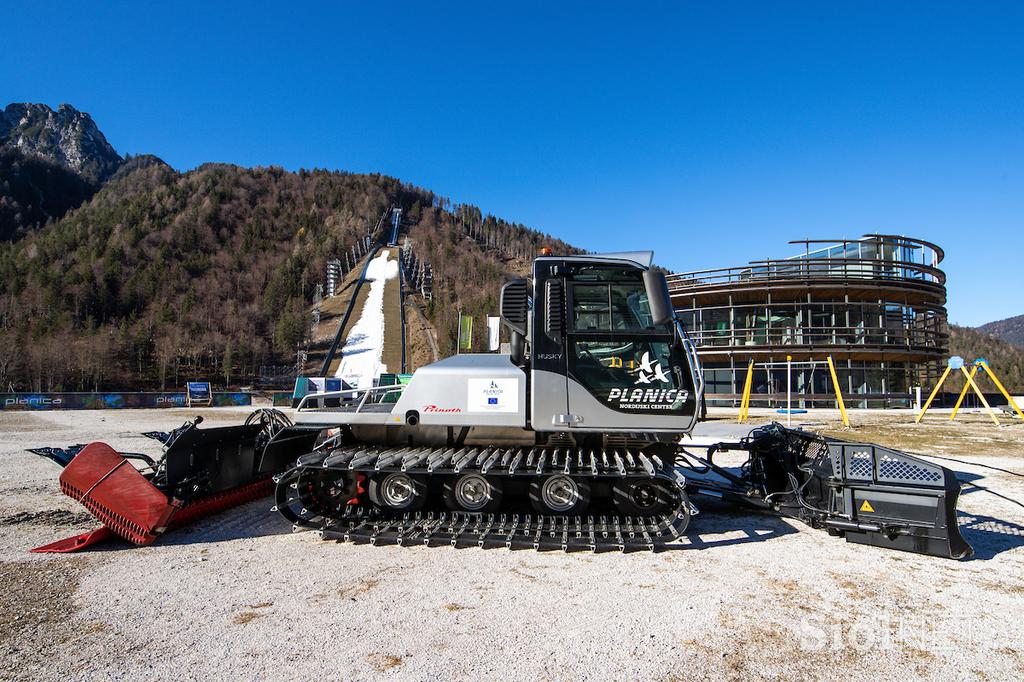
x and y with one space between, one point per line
117 494
129 505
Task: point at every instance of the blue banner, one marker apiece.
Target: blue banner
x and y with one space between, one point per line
111 401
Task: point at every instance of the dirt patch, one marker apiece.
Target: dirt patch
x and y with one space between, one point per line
361 587
49 517
37 613
14 421
528 576
456 607
383 662
252 614
970 434
247 617
1005 588
855 589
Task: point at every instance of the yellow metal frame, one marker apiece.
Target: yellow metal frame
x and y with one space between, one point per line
970 382
999 385
963 392
935 392
745 401
839 393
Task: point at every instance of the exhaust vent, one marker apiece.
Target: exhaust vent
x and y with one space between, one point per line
554 300
514 307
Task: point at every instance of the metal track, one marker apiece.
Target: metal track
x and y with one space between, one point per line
327 512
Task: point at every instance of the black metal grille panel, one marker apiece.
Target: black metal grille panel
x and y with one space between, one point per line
897 470
859 465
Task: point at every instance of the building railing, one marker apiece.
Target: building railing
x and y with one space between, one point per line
911 339
811 400
765 273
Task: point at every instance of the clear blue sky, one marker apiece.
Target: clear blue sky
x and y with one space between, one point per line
713 132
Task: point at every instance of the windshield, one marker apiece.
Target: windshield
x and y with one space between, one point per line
612 306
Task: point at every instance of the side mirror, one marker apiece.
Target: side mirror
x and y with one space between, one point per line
658 297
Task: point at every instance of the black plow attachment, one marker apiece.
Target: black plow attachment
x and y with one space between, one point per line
866 493
202 472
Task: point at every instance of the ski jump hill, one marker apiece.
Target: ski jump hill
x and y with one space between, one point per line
364 321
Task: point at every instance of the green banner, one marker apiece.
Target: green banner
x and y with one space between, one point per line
465 332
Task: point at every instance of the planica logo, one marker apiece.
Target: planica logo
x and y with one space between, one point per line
33 401
648 398
648 372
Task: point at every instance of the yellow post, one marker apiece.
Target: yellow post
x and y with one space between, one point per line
999 385
935 392
970 380
745 402
963 393
839 393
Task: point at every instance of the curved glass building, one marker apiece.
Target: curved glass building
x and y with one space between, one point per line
875 304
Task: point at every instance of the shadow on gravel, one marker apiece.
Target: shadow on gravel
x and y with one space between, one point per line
988 535
721 525
965 477
251 520
974 487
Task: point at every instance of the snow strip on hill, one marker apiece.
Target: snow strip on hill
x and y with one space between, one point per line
361 356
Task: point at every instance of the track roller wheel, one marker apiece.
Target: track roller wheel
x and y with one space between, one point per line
559 494
398 491
473 493
643 497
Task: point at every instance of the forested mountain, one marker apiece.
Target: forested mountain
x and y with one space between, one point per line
1010 330
164 276
34 190
50 162
1005 359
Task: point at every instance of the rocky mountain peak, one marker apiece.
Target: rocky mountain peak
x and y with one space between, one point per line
68 137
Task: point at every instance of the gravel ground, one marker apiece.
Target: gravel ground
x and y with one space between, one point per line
239 596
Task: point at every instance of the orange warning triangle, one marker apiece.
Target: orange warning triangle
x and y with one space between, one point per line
866 507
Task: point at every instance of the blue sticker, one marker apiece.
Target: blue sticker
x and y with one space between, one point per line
492 401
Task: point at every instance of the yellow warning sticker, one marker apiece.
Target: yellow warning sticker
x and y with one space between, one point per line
866 507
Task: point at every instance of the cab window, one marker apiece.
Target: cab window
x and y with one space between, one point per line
610 307
590 309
